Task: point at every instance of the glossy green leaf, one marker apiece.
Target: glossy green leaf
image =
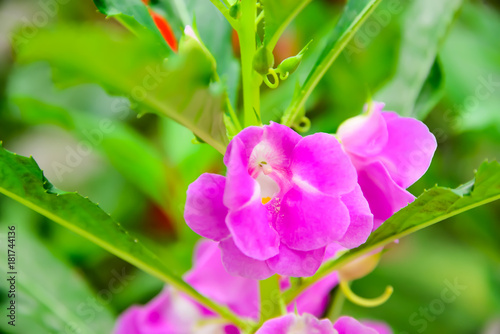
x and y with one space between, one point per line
277 16
180 88
134 15
48 301
355 13
425 24
433 206
22 180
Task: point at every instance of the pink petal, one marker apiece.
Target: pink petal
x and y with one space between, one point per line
252 232
211 279
409 149
237 263
271 157
204 211
383 195
293 324
248 218
364 135
282 140
295 263
361 219
240 186
127 322
319 162
348 325
249 137
311 220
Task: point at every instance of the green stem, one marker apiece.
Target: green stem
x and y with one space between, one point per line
251 82
335 308
259 18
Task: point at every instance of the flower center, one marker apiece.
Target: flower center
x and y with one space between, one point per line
265 167
268 187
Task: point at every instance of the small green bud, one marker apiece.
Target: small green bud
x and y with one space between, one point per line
235 10
290 64
263 60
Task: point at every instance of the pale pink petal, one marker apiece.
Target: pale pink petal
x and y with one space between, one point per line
169 312
282 140
311 220
294 324
384 196
295 263
379 327
237 263
409 149
204 211
127 322
211 279
348 325
361 219
319 162
364 135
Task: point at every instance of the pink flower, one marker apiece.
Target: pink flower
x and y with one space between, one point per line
172 312
297 324
175 313
285 198
390 153
348 325
308 324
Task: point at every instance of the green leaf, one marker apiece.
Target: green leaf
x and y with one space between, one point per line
22 180
433 206
431 92
180 88
277 16
48 301
216 32
355 13
134 15
31 90
425 24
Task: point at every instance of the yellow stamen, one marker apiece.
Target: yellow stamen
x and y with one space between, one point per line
266 200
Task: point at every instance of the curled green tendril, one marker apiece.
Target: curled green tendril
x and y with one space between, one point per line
284 76
303 125
276 80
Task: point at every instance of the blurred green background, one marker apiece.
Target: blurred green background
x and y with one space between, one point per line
65 279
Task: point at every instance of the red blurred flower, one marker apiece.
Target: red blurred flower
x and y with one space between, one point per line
162 25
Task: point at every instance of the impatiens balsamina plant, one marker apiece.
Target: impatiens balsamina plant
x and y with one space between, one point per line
295 216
